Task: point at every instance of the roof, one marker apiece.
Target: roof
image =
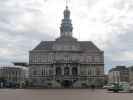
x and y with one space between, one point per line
88 45
20 64
119 68
12 66
44 45
84 45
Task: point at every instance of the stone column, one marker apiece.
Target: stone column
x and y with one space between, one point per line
54 71
48 69
79 69
70 70
62 69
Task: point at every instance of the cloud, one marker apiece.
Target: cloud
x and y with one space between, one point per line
108 23
20 30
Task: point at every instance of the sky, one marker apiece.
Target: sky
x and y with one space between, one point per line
108 23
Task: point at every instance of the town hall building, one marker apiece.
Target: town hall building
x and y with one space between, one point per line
66 62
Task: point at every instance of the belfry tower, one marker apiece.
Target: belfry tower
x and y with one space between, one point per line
66 25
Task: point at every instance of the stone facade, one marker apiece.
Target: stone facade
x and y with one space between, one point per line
13 74
119 74
114 77
66 62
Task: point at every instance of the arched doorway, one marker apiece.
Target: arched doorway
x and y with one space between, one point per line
67 84
58 71
66 71
74 71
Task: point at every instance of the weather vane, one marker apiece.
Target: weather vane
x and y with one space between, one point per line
67 1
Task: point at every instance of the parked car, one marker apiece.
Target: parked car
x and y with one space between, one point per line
121 86
108 86
116 88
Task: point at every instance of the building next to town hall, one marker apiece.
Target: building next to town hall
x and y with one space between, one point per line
118 74
13 74
66 62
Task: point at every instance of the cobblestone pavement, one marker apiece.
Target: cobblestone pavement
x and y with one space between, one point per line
62 94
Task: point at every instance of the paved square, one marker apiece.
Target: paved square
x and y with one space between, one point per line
61 94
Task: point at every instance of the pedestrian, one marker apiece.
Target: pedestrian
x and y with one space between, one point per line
93 87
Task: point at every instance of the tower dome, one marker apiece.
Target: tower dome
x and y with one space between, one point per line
66 25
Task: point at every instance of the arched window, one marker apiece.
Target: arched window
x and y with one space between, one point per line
74 71
34 72
58 71
66 71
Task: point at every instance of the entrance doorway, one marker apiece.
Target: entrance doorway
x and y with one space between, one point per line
67 84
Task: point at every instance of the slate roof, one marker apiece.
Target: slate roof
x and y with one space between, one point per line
88 45
44 45
84 45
